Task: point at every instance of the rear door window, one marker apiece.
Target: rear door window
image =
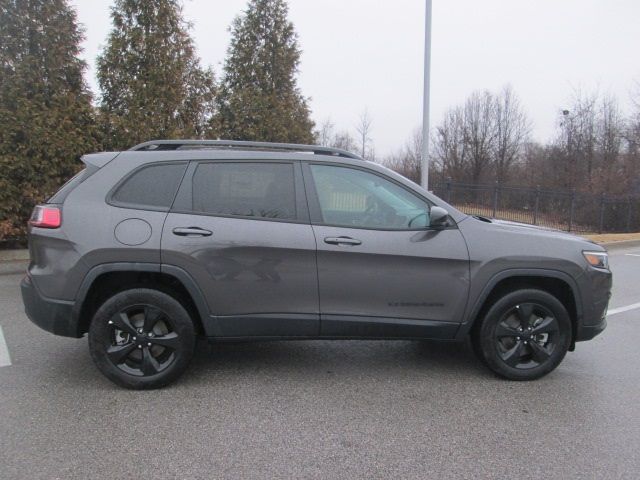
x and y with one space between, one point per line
245 189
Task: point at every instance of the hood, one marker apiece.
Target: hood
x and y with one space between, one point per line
534 230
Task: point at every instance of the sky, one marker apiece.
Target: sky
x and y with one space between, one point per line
368 54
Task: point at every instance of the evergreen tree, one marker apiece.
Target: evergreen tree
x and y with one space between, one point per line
151 80
259 98
46 118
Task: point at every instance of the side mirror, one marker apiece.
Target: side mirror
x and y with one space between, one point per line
438 217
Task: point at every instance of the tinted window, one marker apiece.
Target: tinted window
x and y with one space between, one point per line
355 198
264 190
152 186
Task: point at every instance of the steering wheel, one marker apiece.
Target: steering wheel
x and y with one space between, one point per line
370 214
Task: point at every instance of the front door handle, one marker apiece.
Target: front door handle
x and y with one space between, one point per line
192 232
342 241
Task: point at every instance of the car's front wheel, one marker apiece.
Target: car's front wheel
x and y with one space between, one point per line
523 335
142 338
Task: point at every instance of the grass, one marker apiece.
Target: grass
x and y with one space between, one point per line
613 237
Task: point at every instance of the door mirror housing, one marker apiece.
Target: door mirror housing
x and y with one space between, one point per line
439 217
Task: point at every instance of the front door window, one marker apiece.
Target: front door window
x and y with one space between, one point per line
354 198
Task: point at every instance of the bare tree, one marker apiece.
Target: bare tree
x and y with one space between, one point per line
324 135
479 133
512 131
465 142
635 116
449 152
345 141
610 132
486 139
535 162
577 141
364 129
408 160
632 138
327 136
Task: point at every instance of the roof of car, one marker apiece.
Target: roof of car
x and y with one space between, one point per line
236 145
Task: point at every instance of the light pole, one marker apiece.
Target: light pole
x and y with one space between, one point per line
425 106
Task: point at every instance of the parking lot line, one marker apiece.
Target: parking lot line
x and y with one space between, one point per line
615 311
5 360
632 254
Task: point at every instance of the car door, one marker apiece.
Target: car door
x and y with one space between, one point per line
241 230
382 271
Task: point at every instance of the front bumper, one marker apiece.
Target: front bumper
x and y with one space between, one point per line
54 316
587 332
596 295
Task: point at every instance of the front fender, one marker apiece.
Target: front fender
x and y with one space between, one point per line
475 304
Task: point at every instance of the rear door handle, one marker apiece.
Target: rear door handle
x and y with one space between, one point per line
342 241
192 232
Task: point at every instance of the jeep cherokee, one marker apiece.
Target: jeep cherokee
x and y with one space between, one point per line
147 249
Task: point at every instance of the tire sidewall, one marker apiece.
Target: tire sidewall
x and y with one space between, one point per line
181 323
486 344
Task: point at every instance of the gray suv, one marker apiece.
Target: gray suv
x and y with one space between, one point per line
148 249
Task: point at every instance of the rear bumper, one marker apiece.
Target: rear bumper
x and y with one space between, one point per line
54 316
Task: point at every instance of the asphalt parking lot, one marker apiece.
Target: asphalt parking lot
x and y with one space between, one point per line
324 409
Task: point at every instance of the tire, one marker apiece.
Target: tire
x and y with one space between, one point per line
524 335
142 339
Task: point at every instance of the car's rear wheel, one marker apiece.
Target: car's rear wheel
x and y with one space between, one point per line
524 335
142 338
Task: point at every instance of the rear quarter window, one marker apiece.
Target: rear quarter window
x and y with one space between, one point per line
152 187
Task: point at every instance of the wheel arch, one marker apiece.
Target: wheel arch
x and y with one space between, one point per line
104 280
557 283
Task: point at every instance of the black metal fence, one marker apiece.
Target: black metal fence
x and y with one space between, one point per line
563 210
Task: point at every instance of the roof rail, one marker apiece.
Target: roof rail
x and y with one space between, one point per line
159 145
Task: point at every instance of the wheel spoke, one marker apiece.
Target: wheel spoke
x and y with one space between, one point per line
504 330
525 311
512 357
169 340
538 352
151 317
150 365
118 353
548 325
121 320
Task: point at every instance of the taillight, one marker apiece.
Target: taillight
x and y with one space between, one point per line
46 216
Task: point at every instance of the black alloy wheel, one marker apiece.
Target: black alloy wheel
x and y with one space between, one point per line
527 335
524 335
143 341
142 338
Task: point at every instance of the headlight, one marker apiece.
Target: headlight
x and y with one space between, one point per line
597 259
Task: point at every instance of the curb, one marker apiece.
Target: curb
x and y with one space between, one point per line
621 245
13 261
12 267
14 255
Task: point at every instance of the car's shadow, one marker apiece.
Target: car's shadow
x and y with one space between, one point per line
297 361
341 357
